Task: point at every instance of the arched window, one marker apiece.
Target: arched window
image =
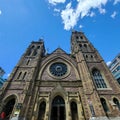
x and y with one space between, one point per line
85 45
28 61
58 109
98 79
92 56
86 56
115 100
77 37
30 50
24 75
42 108
80 45
104 104
32 47
8 108
74 112
35 53
81 37
38 47
19 75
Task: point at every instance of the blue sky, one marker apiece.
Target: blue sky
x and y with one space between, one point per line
24 21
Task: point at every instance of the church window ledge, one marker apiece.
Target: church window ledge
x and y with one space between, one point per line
104 88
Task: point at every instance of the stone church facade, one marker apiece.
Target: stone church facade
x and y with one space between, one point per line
61 86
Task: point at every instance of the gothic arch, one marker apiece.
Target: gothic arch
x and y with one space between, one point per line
67 60
115 97
58 91
24 75
19 75
7 98
32 47
98 78
28 61
42 110
39 102
116 102
34 52
58 108
104 103
58 95
74 100
97 68
85 48
74 110
8 105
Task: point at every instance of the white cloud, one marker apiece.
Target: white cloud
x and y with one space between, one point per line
56 10
92 14
55 2
114 14
81 26
0 12
102 11
108 63
71 16
116 1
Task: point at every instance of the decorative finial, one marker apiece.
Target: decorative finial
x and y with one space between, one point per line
41 39
47 51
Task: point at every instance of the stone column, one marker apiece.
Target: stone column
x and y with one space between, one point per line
67 108
47 111
34 117
79 108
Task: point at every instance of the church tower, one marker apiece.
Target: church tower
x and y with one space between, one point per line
101 90
61 86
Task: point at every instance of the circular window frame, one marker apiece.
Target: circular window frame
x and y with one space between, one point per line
59 77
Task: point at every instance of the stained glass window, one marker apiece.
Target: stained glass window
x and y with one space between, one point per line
98 79
58 69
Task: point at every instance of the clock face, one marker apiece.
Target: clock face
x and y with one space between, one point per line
58 69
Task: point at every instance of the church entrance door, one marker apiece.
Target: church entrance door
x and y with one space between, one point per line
8 108
58 109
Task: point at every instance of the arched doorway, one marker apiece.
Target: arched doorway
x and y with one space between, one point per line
42 109
58 109
74 112
8 108
115 100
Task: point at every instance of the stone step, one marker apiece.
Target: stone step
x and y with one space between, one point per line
105 118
